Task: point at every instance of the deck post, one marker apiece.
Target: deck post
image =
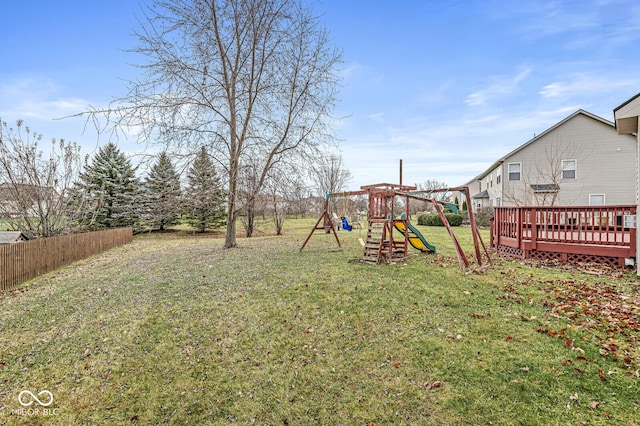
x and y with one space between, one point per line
533 216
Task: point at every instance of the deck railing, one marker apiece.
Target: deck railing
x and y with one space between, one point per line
600 233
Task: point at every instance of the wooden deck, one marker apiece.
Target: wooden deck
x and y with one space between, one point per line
603 234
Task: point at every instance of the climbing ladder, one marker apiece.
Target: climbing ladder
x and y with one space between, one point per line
380 246
374 244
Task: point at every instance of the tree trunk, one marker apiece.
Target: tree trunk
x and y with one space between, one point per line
230 238
251 216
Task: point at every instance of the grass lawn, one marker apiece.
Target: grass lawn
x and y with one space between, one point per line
174 329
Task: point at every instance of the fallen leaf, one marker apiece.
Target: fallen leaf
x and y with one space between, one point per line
509 339
594 404
433 385
603 376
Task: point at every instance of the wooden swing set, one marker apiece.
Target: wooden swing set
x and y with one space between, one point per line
382 218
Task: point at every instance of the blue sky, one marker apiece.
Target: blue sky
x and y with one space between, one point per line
447 86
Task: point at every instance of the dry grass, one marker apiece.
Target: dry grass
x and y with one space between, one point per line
174 329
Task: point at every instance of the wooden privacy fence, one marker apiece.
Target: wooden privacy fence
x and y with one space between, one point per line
603 234
20 262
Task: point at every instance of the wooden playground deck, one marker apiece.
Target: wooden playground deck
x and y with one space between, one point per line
604 234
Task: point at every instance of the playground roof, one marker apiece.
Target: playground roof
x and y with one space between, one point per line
390 186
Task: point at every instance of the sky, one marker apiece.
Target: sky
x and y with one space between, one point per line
448 86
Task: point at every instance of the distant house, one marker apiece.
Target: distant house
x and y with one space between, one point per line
18 200
579 161
10 237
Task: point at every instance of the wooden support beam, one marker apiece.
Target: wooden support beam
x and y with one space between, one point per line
327 225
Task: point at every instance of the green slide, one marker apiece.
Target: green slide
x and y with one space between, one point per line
415 237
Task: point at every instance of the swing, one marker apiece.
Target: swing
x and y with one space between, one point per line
345 223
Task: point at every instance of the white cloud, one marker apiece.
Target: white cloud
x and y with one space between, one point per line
378 117
586 84
46 109
37 98
499 86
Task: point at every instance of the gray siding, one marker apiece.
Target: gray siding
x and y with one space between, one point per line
605 164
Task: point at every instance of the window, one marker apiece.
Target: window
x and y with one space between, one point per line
514 171
569 169
596 199
498 176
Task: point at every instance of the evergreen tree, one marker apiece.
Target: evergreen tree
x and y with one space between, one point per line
163 193
204 199
109 190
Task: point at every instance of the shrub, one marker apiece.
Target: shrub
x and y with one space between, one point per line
483 216
433 219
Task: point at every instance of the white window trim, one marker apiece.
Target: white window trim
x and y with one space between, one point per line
604 200
519 172
575 169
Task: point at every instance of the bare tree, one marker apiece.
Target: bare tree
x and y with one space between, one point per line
431 185
299 198
248 198
276 190
283 191
428 186
541 185
232 75
329 175
35 187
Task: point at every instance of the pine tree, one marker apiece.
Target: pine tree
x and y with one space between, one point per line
163 193
204 199
109 190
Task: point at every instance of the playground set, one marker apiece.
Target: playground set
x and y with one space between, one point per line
382 245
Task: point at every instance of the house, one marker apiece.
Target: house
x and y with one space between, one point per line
10 237
19 200
580 161
626 118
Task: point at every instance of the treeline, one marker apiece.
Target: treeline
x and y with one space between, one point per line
46 193
109 194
